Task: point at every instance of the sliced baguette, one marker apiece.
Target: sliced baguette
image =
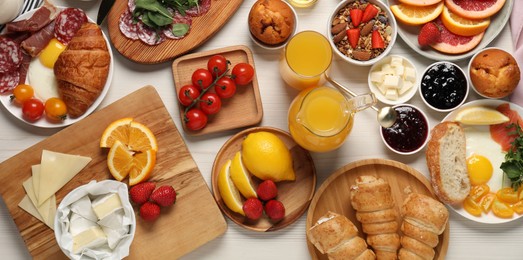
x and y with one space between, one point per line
446 161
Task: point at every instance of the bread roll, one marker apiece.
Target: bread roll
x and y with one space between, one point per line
420 233
271 21
377 216
417 247
82 69
379 228
371 194
349 249
446 161
405 254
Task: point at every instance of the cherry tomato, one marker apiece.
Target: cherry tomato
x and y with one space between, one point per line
242 73
217 65
187 94
21 93
55 109
33 109
210 103
202 78
225 87
195 119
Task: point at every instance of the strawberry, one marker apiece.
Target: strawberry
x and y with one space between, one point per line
164 196
370 12
355 16
267 190
141 192
150 211
253 208
354 36
275 210
377 40
429 34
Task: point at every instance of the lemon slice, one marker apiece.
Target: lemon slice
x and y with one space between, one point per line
480 116
241 177
230 194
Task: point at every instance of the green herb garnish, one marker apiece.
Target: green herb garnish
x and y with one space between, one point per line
513 164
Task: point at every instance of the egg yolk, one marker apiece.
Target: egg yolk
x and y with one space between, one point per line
479 168
50 53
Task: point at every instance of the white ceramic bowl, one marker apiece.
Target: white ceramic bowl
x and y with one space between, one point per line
281 45
425 135
405 96
464 88
391 20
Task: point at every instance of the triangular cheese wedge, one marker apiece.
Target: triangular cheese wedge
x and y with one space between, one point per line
43 209
52 211
35 169
28 206
56 170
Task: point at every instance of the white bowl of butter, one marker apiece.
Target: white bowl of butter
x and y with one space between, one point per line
96 220
393 80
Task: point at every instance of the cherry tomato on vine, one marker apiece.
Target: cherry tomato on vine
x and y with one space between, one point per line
195 119
21 93
33 109
55 109
217 65
210 103
242 73
187 94
201 78
225 87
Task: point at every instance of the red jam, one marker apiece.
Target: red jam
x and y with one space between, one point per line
409 132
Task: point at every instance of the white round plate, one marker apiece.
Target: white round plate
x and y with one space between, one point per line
16 110
409 34
489 218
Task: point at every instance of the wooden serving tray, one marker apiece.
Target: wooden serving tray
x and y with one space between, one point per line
195 218
334 195
243 109
202 29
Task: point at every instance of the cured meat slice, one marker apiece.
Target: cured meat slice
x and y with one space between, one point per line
37 42
18 37
8 81
24 67
501 133
10 55
148 35
177 19
127 26
41 17
68 22
202 8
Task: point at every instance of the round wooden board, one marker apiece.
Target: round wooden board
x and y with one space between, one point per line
334 195
295 195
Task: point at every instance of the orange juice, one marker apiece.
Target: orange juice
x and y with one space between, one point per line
302 3
306 57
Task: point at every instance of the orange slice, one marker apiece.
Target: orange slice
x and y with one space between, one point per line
143 164
116 131
420 2
136 136
463 26
119 160
416 15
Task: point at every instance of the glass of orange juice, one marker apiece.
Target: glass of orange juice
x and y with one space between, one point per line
306 57
302 3
321 118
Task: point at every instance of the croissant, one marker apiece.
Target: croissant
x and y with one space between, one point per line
82 69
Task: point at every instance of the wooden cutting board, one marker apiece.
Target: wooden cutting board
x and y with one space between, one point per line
202 29
195 218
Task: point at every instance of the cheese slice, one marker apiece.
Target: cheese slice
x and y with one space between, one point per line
30 208
56 170
90 238
47 210
106 204
35 169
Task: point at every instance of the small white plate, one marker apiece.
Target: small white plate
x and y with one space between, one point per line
16 110
403 98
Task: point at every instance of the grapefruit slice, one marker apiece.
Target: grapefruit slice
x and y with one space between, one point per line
420 2
474 9
451 43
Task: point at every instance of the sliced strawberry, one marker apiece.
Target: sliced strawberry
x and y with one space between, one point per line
370 12
377 40
354 36
355 16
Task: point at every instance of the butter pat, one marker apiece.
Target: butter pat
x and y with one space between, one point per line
91 238
394 78
391 81
396 61
377 76
106 204
409 74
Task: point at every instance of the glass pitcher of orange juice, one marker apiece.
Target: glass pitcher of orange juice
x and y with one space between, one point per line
321 118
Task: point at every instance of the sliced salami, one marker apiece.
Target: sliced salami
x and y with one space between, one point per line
202 8
68 22
8 81
177 19
148 35
10 55
128 28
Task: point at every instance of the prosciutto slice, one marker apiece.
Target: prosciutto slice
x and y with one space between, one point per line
37 42
42 17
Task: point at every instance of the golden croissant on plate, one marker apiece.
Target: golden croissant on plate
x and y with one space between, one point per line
82 69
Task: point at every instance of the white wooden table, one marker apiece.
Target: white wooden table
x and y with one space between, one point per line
468 240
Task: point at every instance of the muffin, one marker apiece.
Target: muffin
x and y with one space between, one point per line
271 21
494 73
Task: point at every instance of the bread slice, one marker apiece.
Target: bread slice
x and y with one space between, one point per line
446 161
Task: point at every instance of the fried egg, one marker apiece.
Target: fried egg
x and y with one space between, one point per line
41 74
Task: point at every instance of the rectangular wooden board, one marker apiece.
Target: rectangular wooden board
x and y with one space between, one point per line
195 218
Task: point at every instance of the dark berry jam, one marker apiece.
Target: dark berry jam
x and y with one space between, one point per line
444 86
409 132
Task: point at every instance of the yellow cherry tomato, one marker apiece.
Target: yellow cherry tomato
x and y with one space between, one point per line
55 109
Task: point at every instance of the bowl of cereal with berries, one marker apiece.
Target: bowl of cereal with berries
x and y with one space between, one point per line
362 32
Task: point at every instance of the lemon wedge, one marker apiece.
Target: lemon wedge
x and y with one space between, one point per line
480 116
230 194
242 178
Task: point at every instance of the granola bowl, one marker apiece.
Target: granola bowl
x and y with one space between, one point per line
352 39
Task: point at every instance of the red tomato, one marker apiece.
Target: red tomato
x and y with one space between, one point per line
195 119
225 87
33 109
187 94
202 78
210 103
242 73
217 65
55 109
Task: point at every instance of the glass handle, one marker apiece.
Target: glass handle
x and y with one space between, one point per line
358 102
